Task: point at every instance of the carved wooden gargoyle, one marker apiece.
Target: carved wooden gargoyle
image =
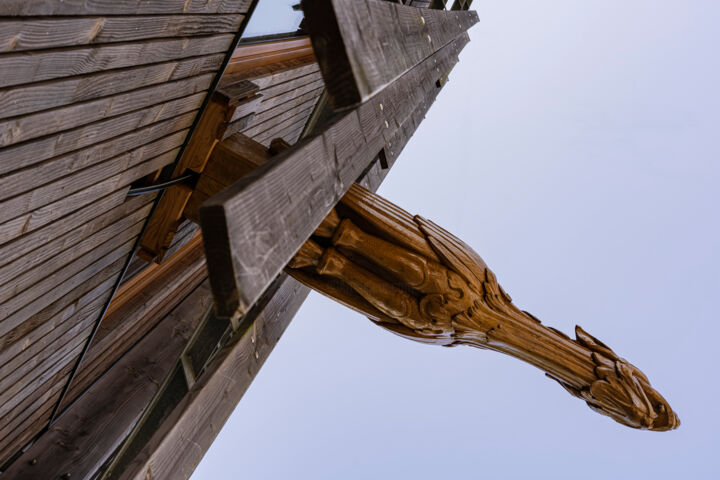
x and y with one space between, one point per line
412 277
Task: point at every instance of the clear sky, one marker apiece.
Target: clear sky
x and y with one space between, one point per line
576 148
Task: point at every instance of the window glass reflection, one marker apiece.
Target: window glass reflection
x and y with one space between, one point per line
272 17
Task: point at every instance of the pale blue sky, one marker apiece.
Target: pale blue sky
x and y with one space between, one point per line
576 149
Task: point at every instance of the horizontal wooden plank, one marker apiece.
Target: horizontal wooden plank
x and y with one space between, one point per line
34 273
178 445
352 38
271 126
29 417
119 149
60 283
269 103
113 7
138 312
284 128
74 225
21 370
20 34
275 110
278 206
24 99
33 332
27 67
274 73
103 417
37 218
59 360
35 151
58 120
54 280
58 189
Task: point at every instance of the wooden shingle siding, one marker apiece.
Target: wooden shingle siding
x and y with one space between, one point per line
29 67
24 99
94 96
18 34
287 89
115 7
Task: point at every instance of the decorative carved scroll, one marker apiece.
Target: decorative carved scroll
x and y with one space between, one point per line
412 277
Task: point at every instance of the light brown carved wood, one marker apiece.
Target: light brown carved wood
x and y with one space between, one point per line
416 279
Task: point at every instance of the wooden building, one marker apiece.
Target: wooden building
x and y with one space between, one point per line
128 334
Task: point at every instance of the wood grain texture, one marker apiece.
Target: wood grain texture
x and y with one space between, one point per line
37 218
65 118
27 67
13 266
416 279
24 99
93 428
177 447
253 228
183 437
69 184
22 34
136 309
363 45
118 149
111 7
58 279
30 153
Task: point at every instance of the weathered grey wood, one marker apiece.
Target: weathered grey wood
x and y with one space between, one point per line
265 77
60 283
36 272
113 7
264 115
22 34
122 328
60 243
24 99
281 92
102 418
75 224
30 153
20 371
273 102
27 67
364 45
64 186
28 418
61 119
177 447
37 218
274 124
252 229
284 128
31 332
55 280
118 149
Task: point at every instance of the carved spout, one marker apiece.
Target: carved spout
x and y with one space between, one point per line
584 366
419 281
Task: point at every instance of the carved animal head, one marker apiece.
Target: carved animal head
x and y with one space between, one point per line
622 391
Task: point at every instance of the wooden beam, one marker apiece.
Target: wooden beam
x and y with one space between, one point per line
364 45
85 436
182 439
178 444
253 228
256 55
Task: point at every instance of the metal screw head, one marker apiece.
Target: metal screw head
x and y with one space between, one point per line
428 38
387 125
422 20
381 107
257 355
